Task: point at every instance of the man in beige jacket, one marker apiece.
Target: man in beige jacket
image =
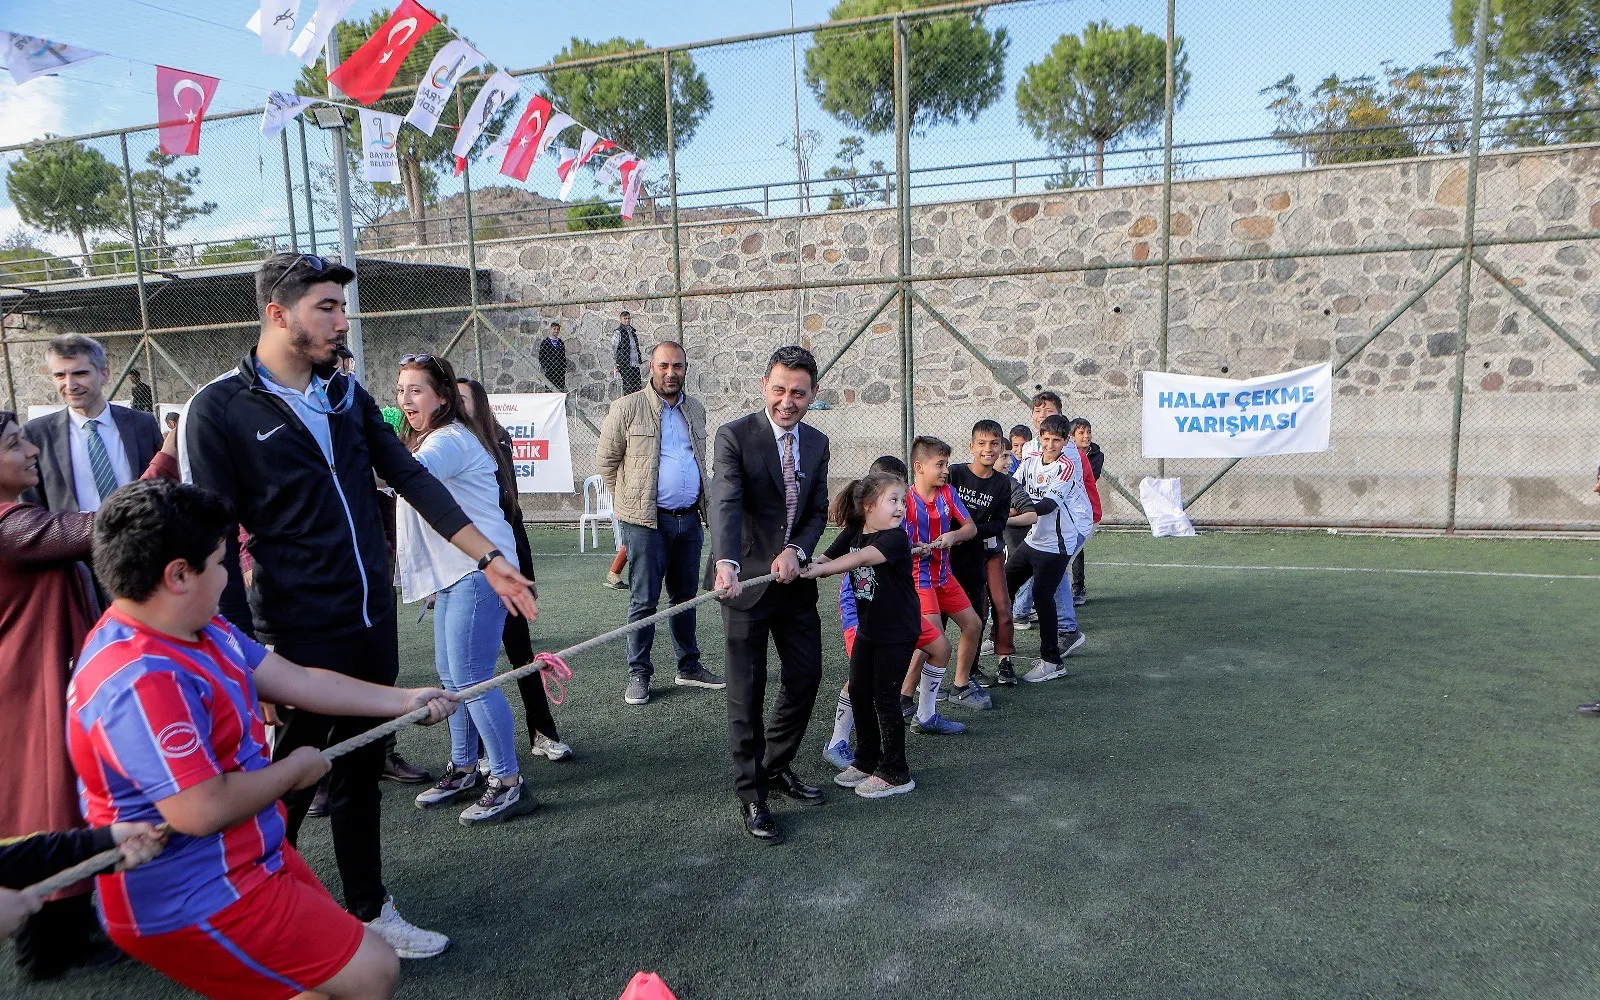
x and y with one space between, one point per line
652 454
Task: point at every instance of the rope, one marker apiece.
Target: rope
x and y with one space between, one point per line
553 665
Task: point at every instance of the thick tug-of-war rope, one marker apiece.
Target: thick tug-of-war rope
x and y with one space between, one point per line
552 665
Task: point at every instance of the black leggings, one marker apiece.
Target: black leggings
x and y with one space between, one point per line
876 670
1046 569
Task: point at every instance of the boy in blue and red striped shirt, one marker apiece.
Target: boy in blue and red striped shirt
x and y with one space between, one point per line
164 725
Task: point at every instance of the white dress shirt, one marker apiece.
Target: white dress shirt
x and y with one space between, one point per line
82 472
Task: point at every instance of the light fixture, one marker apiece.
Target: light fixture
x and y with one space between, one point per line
326 116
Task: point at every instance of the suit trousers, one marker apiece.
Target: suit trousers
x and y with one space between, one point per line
792 623
354 801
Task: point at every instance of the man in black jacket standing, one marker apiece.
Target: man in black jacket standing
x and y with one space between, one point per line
625 353
553 358
294 445
769 506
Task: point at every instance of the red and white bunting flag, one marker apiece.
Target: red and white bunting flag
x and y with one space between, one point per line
447 67
370 69
612 168
592 144
28 56
632 179
566 168
181 101
559 122
318 27
275 21
526 139
500 88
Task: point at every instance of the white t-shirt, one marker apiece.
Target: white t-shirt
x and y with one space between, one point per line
426 560
1066 528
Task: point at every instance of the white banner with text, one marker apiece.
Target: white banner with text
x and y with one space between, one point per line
540 449
1194 416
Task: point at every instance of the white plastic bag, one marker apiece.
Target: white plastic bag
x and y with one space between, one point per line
1163 505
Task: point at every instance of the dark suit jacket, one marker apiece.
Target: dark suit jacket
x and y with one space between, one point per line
141 439
746 512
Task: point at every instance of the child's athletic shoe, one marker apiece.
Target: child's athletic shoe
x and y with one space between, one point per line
908 707
1025 622
980 678
499 802
549 749
938 725
1070 641
1080 597
1044 670
850 777
614 581
987 649
1005 674
455 783
407 939
839 755
876 788
971 696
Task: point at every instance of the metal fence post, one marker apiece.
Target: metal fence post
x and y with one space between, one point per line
902 155
1166 207
347 226
672 187
138 255
305 174
11 378
288 192
1469 233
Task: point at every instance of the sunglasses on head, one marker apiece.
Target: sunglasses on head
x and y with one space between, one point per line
318 264
419 359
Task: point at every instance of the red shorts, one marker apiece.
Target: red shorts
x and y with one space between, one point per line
943 599
284 938
929 633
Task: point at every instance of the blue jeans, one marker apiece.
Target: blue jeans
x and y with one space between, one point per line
468 619
670 553
1066 614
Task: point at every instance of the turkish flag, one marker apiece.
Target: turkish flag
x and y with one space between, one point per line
526 139
370 69
181 101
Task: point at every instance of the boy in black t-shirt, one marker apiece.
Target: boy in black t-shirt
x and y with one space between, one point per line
979 564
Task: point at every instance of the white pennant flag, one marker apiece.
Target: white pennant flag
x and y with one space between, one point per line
275 21
586 145
440 81
566 168
558 122
611 170
381 160
632 179
28 56
501 88
308 47
282 109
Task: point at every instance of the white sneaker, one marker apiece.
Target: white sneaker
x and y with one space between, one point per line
550 749
1044 670
876 788
850 777
407 939
987 649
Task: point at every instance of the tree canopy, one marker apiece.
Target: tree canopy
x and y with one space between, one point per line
624 101
1100 90
65 187
1548 52
956 67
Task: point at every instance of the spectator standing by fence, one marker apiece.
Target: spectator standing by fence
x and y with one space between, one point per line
144 399
553 358
625 353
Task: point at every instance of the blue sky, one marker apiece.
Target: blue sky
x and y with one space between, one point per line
1235 49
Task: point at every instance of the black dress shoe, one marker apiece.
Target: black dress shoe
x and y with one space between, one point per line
1591 708
786 783
758 822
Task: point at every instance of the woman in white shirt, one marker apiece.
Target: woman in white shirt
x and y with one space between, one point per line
468 616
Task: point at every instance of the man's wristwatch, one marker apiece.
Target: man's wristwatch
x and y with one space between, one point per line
799 553
488 558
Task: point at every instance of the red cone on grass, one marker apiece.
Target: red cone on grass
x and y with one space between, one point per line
647 986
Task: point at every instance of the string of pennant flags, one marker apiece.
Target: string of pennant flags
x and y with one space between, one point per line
183 97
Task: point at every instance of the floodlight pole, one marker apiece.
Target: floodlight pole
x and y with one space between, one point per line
347 228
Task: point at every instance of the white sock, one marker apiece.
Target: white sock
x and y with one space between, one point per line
928 691
844 720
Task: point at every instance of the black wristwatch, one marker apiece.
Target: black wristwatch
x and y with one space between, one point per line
488 558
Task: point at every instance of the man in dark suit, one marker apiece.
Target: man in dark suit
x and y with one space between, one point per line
769 505
91 447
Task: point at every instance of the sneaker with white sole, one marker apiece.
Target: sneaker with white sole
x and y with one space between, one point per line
850 777
1079 598
407 939
876 788
638 690
987 649
1071 642
455 783
971 696
499 802
1026 622
980 678
550 749
839 755
938 725
614 581
1044 670
700 677
1005 674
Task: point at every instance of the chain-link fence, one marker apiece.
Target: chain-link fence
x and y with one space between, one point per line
954 207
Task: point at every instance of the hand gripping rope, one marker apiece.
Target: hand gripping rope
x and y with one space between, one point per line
552 665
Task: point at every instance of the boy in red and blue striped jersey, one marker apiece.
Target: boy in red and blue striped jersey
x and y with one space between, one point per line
164 725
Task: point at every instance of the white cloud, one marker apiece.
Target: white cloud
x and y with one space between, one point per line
29 111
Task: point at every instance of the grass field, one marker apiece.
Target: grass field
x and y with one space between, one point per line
1259 783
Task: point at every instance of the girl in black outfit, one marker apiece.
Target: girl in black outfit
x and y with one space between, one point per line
872 510
516 639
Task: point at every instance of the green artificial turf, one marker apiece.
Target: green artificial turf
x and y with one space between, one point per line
1255 785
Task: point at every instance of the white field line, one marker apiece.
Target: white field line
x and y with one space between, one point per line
1352 569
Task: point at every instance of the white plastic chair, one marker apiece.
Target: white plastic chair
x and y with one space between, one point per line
597 507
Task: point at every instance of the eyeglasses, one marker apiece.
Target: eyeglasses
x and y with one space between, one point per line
419 359
318 264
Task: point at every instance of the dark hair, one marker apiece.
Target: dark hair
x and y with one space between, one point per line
890 464
489 432
145 525
442 379
849 508
172 417
76 345
625 313
133 373
556 323
1055 424
1048 397
924 446
8 417
1080 422
285 278
1022 431
796 358
989 427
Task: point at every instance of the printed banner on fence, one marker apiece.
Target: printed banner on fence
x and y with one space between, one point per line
382 161
540 449
1192 416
